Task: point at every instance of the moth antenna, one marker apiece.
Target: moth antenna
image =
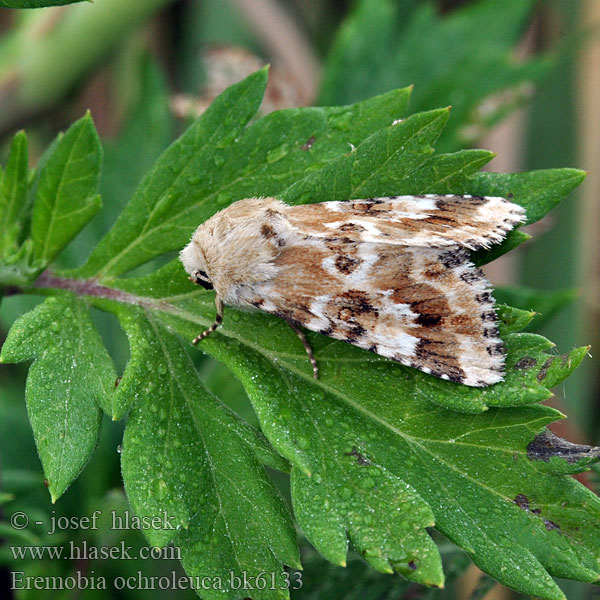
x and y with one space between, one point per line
311 356
218 321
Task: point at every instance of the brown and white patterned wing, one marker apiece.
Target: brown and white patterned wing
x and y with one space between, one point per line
431 220
427 308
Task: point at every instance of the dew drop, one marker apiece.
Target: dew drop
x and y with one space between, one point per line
341 121
224 198
228 137
303 443
367 483
194 180
285 414
344 493
54 326
278 153
162 490
218 160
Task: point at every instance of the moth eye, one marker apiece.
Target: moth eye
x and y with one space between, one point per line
203 279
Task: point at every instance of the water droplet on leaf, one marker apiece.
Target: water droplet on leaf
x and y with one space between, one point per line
345 493
278 153
224 198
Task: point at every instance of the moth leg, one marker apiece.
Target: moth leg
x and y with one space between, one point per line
311 356
218 321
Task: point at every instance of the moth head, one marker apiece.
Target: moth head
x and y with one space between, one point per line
195 264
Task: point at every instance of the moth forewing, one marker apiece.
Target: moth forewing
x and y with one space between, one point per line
390 275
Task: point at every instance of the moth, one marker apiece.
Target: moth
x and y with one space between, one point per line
390 275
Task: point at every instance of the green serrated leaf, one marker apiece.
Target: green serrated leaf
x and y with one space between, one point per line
472 497
185 455
359 413
376 456
380 46
387 160
530 368
353 496
512 319
66 197
71 379
13 195
449 170
538 192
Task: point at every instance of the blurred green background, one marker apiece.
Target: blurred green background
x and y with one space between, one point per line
523 78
